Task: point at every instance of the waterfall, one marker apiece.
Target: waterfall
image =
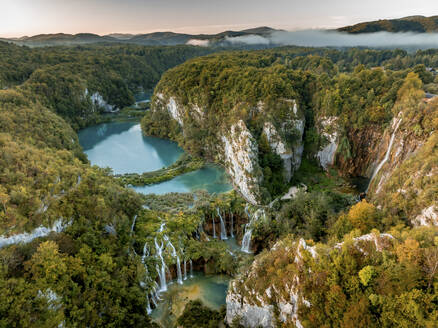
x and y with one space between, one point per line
145 253
223 228
133 224
154 295
161 271
185 270
247 212
246 241
232 224
191 269
178 262
148 305
214 228
388 152
178 269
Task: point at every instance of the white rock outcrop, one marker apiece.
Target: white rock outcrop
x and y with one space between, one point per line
254 308
293 192
428 217
172 107
240 155
329 129
290 154
98 101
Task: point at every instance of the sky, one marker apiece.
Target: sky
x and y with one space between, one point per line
31 17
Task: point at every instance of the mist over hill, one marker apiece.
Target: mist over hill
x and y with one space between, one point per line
380 35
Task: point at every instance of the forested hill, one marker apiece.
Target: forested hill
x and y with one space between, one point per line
71 80
98 260
67 256
416 24
165 38
305 118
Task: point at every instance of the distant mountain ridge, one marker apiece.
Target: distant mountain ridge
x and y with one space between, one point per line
418 24
156 38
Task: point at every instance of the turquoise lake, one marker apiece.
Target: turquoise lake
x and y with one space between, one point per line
122 147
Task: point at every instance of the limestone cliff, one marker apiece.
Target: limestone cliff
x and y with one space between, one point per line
400 162
234 142
328 129
99 102
291 153
273 301
240 157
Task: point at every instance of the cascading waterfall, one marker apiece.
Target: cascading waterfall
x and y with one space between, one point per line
232 225
161 271
246 241
133 224
178 262
148 305
162 225
145 254
191 269
223 228
178 269
185 270
388 152
214 228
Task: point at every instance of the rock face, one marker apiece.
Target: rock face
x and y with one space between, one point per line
241 159
329 130
98 101
428 216
236 147
254 308
291 154
254 301
175 111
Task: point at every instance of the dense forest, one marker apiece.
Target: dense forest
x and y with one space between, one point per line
100 265
64 79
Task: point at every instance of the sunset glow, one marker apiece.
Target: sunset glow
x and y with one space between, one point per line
31 17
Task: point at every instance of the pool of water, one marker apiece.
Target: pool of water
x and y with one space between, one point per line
211 290
211 178
122 147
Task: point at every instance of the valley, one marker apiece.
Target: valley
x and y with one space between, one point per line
287 187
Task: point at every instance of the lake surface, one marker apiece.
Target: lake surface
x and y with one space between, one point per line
211 178
122 147
211 290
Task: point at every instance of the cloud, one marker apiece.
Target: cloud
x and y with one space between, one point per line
200 43
326 38
248 39
320 38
